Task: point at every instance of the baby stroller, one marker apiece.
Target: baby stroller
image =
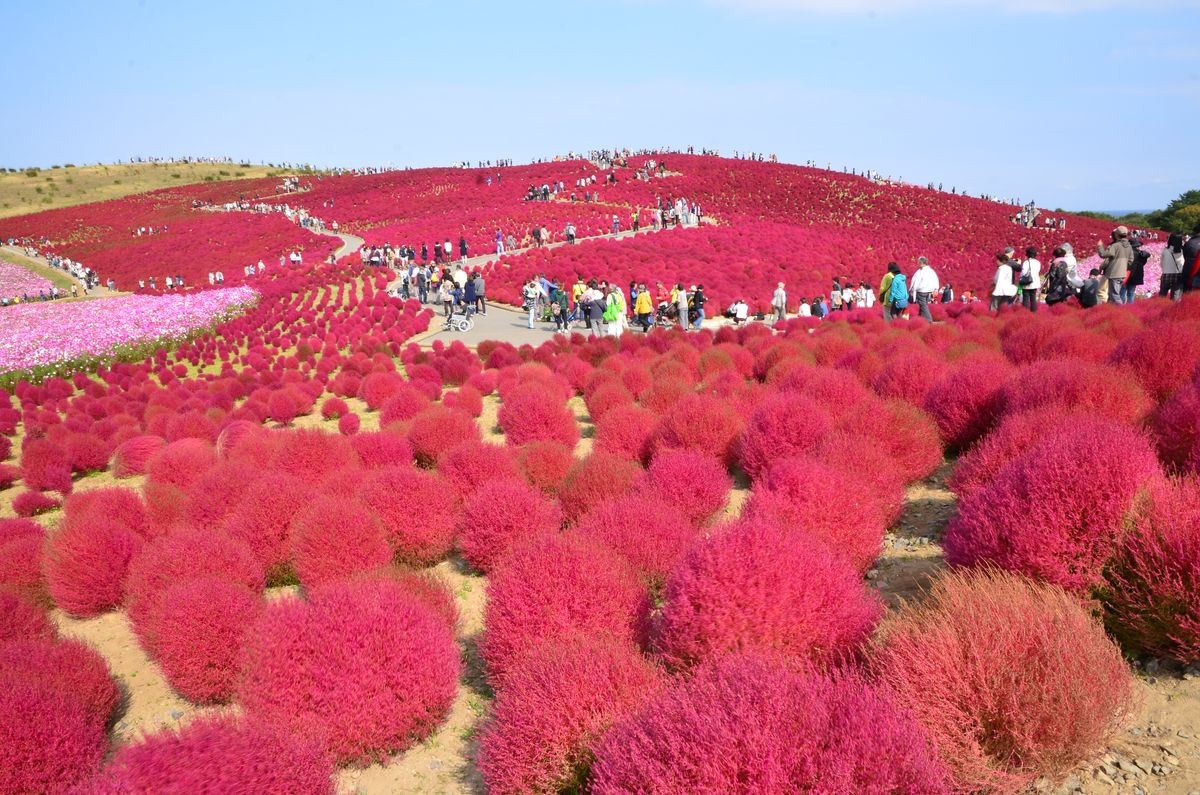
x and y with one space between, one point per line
459 320
666 316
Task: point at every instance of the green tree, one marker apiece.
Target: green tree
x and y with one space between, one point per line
1181 215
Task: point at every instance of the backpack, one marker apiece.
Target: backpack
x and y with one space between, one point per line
898 294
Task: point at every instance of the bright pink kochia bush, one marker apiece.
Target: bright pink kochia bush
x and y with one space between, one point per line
474 462
1038 518
593 480
545 464
86 453
218 753
21 618
348 424
1161 357
333 408
695 484
263 519
363 666
45 466
310 454
704 423
86 561
32 503
20 564
181 463
1079 386
1012 680
750 723
1176 427
376 388
627 431
555 705
648 532
1012 436
531 413
405 404
552 587
438 429
607 397
218 492
379 449
199 630
185 554
1151 594
783 425
48 741
907 374
420 531
820 504
500 513
333 538
966 400
66 666
738 590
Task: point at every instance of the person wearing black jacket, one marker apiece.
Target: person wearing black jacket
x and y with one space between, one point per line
1191 258
698 302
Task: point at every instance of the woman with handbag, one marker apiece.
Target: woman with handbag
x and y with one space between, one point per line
1031 279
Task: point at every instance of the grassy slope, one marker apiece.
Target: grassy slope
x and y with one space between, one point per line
63 187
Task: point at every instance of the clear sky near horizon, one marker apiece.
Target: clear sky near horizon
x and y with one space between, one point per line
1084 104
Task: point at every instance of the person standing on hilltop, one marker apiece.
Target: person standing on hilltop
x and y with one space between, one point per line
1117 256
925 286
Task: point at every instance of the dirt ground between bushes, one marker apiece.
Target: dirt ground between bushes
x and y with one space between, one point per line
1158 753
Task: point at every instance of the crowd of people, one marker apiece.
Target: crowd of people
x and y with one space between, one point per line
604 308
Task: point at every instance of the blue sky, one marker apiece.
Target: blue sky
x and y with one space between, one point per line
1083 104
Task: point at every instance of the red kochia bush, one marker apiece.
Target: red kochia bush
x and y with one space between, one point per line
348 424
1080 386
218 753
378 449
1176 427
20 564
749 723
738 589
474 462
32 503
799 494
966 400
1012 680
48 741
783 425
499 513
200 626
364 665
310 454
420 530
20 618
45 466
649 533
545 464
333 538
1162 357
86 561
333 408
263 519
181 463
66 666
555 586
1043 516
556 704
1151 595
695 484
594 479
436 430
532 413
700 422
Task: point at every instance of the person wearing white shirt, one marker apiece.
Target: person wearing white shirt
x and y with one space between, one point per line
1031 279
924 286
1004 289
868 295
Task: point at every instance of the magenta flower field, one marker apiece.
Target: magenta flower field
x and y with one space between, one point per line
16 281
43 333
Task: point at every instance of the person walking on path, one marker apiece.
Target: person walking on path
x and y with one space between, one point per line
480 295
698 302
1004 289
1031 279
779 302
681 305
529 294
925 286
643 307
885 289
1172 267
1117 256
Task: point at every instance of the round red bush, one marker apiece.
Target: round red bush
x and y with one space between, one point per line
181 463
405 404
65 666
1079 386
1011 679
555 586
627 431
310 455
364 665
738 590
85 564
966 400
348 424
1162 357
20 565
281 407
695 484
648 532
33 503
45 466
263 518
376 388
200 626
907 374
704 423
782 426
750 723
379 449
555 705
1176 427
500 513
473 463
333 538
420 531
545 464
531 413
1039 518
333 408
21 618
218 753
87 453
48 741
592 480
438 429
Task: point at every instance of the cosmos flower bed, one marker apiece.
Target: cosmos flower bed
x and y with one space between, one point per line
16 281
39 334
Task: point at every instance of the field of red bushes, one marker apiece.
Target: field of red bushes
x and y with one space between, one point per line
645 564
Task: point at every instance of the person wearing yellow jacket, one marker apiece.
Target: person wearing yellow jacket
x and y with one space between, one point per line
643 307
885 287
